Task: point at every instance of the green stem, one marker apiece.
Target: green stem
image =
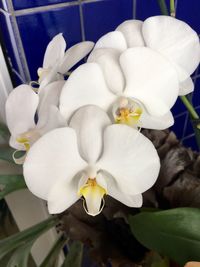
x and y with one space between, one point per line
163 7
172 8
189 107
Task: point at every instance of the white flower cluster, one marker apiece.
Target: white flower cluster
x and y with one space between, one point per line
81 136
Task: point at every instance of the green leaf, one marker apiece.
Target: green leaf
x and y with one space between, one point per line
22 238
6 153
74 257
51 258
10 183
4 132
174 233
20 256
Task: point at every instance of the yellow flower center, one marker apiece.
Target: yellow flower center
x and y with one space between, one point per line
93 195
127 111
128 116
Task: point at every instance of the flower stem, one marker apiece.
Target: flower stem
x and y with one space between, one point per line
163 7
172 8
189 107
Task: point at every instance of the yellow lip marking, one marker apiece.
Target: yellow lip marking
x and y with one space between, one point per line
24 141
28 138
93 197
128 116
91 187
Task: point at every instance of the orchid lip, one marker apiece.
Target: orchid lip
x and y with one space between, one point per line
19 160
96 213
24 141
93 197
28 138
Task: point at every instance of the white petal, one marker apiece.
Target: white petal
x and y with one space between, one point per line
54 157
74 54
62 196
51 76
54 120
113 39
89 123
130 201
186 87
114 191
83 180
55 51
150 79
132 31
130 158
49 96
176 40
102 180
21 107
86 85
157 123
42 73
108 59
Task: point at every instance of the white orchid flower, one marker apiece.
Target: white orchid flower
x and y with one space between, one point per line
172 38
58 62
139 87
21 107
91 159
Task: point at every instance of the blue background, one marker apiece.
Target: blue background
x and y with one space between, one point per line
28 25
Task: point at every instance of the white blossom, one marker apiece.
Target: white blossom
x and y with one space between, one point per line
91 159
58 62
170 37
22 107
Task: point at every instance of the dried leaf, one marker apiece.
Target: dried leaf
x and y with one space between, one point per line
175 161
184 192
